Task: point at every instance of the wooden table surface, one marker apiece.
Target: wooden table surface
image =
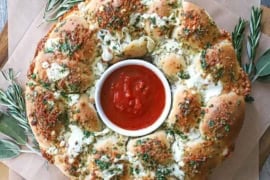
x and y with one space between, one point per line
264 141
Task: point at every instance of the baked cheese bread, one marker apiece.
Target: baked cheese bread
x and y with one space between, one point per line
208 88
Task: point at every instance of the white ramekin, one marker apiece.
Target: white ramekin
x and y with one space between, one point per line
161 118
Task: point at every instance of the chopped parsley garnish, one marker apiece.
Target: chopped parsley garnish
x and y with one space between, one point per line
145 157
219 73
134 171
153 20
194 164
103 165
45 84
211 123
63 94
138 142
66 47
184 75
73 87
203 60
227 128
177 132
87 133
186 31
162 173
49 50
34 76
63 116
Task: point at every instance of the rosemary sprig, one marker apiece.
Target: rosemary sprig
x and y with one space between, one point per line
238 37
13 99
56 8
253 40
255 68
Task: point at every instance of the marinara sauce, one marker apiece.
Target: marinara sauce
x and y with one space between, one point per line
133 97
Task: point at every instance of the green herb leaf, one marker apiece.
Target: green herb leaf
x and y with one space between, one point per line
183 75
203 59
57 8
249 99
253 39
13 99
10 127
103 165
238 37
263 65
8 149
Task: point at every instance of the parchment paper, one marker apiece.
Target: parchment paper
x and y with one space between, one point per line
257 119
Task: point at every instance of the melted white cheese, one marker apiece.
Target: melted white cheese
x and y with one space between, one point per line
205 85
112 171
104 132
56 72
57 94
113 43
212 90
91 92
52 150
178 150
175 171
99 67
147 2
51 44
45 65
194 134
136 164
73 99
138 20
77 141
171 46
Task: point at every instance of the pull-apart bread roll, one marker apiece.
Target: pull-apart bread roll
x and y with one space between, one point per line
207 84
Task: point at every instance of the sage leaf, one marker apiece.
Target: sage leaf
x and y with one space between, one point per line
8 149
10 127
56 8
263 65
265 79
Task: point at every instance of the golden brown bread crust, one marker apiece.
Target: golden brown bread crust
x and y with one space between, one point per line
197 29
180 38
45 113
171 65
84 113
186 110
223 118
200 158
152 149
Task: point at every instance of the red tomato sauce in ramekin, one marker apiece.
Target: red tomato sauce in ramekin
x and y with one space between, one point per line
133 97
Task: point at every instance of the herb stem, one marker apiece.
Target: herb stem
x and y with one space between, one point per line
27 151
238 37
56 8
13 99
253 39
32 150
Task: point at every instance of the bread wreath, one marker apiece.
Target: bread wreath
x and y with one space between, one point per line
180 38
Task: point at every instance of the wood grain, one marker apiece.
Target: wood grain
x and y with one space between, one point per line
266 20
3 172
4 46
264 145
